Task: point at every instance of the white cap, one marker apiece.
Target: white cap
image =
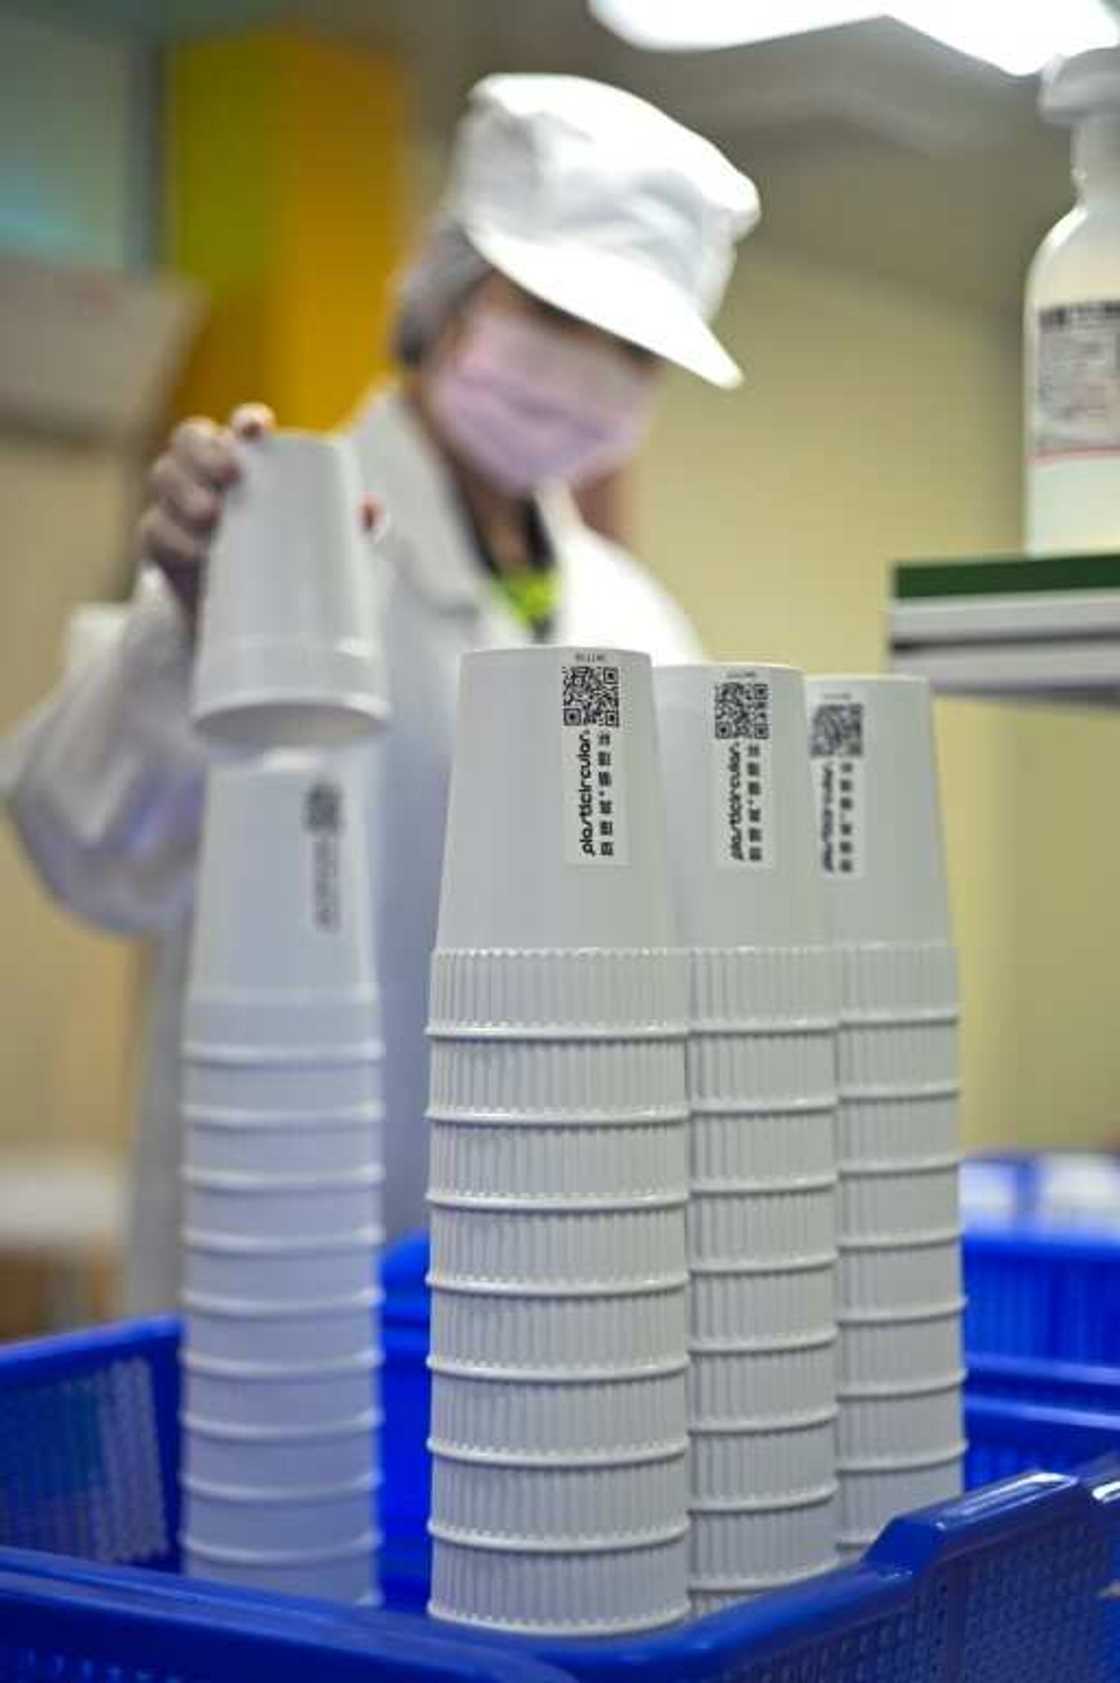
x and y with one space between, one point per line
598 203
1072 88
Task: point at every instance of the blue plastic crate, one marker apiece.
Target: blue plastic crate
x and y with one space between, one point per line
1005 1584
1049 1295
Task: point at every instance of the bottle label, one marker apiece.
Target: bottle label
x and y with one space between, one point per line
1076 398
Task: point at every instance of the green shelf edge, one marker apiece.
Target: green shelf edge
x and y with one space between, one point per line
1006 575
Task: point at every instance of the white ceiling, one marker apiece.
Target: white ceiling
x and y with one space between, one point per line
834 125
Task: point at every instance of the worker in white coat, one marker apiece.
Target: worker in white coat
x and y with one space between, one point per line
585 239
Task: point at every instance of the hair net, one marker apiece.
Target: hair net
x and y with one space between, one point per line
430 291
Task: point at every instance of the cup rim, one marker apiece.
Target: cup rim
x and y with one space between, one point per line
367 1543
922 1460
263 1309
794 1501
268 1495
239 1182
355 1425
242 1119
359 1239
367 1360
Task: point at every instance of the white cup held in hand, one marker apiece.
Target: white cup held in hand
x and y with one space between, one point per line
288 650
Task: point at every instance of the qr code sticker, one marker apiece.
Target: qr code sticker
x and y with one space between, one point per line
837 731
322 809
591 696
742 710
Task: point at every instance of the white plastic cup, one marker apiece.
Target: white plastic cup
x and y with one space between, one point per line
891 980
893 1279
288 646
238 1141
526 1421
542 1164
900 1204
310 1517
705 1602
763 1309
762 990
280 1395
750 1390
270 1205
759 1150
795 1227
917 1420
738 806
877 809
909 1350
871 1498
740 1072
762 1465
281 961
896 1059
523 1083
561 1336
561 1592
560 993
277 1093
346 1573
736 1541
717 1597
282 1270
606 1506
555 831
217 1452
909 1131
600 1252
240 1329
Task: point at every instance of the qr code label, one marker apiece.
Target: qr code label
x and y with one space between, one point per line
742 799
593 763
837 730
838 746
324 815
742 710
592 696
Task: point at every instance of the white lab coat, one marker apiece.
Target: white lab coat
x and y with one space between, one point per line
104 782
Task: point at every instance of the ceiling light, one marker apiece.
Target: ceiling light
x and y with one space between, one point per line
1015 38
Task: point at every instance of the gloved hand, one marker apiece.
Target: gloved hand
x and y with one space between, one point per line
187 484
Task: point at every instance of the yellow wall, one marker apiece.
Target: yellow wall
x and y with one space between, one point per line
879 423
285 161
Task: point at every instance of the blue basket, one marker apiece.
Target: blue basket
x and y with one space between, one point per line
1002 1585
1049 1295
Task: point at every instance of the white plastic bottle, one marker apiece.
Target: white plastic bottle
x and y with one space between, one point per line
1072 327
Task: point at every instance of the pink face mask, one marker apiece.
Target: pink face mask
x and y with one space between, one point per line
527 404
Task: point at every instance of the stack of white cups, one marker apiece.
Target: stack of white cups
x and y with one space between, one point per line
900 1441
558 1160
282 1107
282 1077
762 1090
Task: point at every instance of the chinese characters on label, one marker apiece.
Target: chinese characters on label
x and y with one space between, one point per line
837 750
323 814
592 749
741 787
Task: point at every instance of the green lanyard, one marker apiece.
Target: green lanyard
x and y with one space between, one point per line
533 595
